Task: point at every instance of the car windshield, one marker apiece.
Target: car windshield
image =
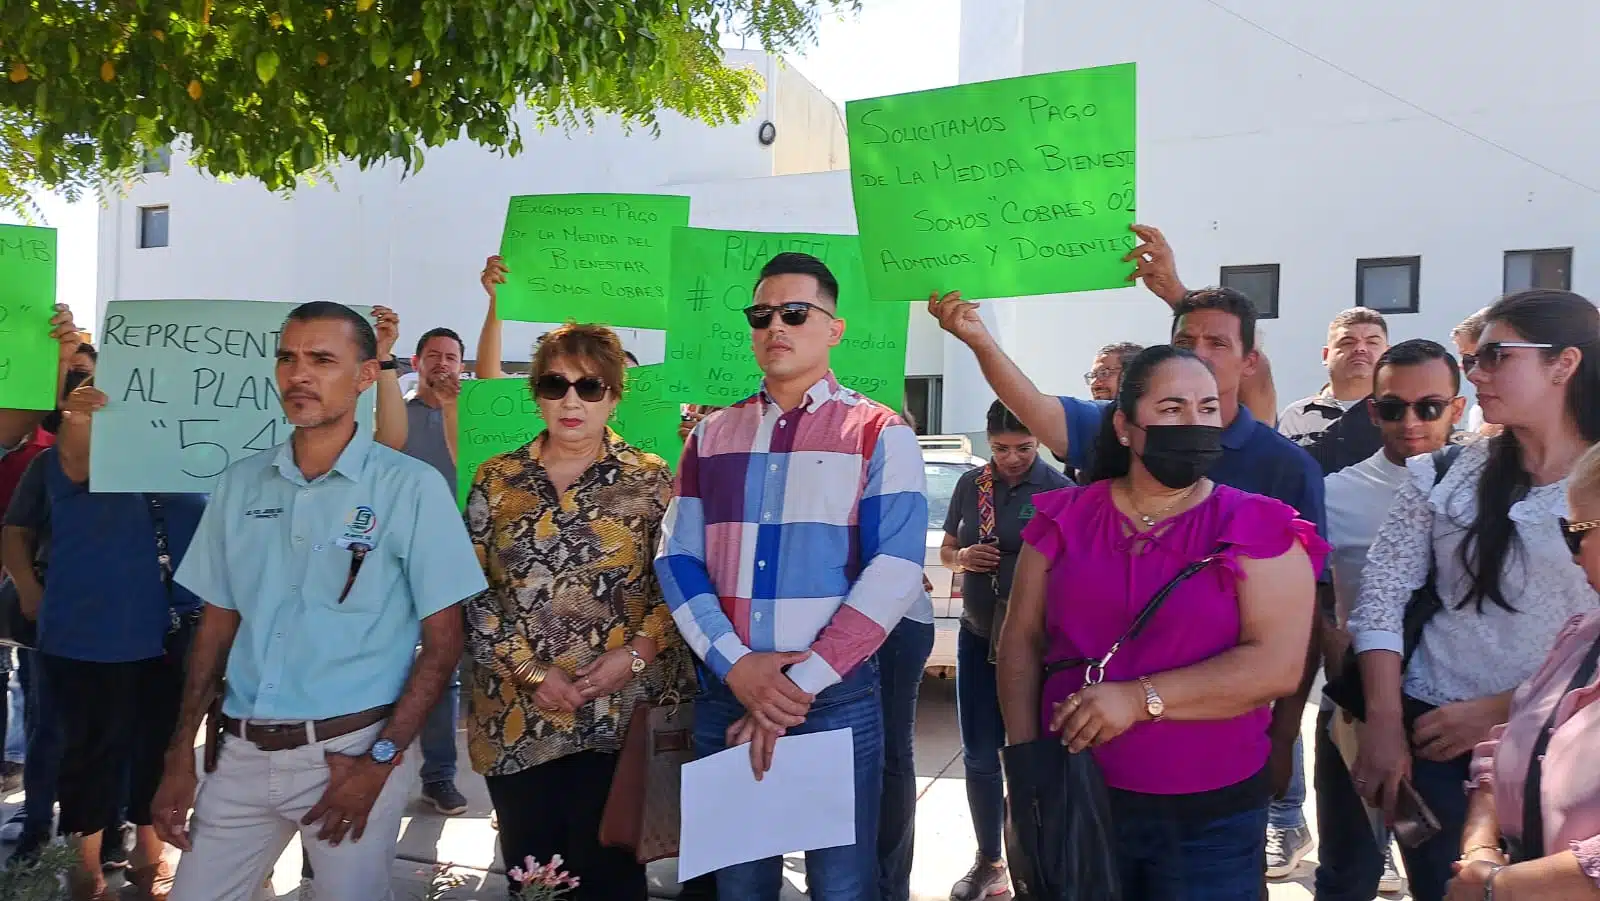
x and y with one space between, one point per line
942 478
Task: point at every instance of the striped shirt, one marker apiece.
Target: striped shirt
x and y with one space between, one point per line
795 530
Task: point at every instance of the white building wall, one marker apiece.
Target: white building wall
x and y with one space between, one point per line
417 244
1251 151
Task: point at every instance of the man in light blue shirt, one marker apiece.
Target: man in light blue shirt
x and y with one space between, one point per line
321 563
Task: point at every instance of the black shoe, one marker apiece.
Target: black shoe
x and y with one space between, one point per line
445 798
114 848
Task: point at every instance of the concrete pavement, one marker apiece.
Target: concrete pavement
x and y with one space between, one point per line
466 845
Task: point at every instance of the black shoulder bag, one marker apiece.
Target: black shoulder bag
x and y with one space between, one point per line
1060 843
1347 689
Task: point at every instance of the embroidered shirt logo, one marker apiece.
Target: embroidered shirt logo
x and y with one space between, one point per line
359 529
264 513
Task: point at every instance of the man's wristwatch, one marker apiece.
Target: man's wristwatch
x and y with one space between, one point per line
637 666
383 751
389 365
1153 705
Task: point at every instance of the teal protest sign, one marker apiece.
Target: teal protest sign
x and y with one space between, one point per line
709 358
190 390
999 188
29 358
495 416
590 257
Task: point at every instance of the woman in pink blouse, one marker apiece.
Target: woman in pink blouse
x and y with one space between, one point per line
1179 724
1508 855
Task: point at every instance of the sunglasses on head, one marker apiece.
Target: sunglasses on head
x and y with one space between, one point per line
793 313
1393 409
1491 355
1575 532
554 386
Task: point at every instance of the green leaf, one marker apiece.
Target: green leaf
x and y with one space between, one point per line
380 51
266 65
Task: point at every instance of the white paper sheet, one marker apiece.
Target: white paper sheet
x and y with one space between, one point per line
805 802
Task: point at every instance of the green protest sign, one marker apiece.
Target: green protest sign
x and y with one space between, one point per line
495 416
191 389
709 357
997 189
29 357
591 257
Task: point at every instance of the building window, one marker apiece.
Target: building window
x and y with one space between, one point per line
157 161
152 226
925 402
1259 283
1548 268
1389 284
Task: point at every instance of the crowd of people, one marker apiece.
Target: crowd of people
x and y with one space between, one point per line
1165 604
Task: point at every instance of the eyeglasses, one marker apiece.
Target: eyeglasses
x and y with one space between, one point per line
554 386
1491 355
793 313
1575 532
1393 409
1095 375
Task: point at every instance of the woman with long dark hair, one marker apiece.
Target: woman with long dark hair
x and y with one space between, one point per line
1485 536
1177 716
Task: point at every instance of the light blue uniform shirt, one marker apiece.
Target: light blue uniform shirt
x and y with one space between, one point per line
277 549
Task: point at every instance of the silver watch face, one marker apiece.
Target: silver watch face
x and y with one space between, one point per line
383 751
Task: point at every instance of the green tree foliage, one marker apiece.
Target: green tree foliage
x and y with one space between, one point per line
281 88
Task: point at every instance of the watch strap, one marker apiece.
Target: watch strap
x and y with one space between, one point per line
1152 700
389 365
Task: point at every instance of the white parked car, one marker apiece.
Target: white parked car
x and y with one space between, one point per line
944 459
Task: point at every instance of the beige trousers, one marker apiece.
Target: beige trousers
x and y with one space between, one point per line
249 809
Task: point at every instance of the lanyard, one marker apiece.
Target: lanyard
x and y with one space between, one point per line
158 519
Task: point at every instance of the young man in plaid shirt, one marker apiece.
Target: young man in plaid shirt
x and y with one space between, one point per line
794 544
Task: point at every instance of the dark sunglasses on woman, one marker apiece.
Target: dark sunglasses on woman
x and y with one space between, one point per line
793 313
1393 409
1491 355
1575 532
554 386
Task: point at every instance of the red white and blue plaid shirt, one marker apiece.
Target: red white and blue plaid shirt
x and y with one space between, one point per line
795 530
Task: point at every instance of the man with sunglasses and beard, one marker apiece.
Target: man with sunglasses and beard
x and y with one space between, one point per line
1415 404
793 544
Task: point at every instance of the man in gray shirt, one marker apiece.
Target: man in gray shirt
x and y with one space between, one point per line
431 438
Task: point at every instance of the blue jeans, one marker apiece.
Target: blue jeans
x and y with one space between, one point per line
1349 853
846 873
983 734
438 737
44 749
901 660
1440 785
1165 859
15 714
1290 813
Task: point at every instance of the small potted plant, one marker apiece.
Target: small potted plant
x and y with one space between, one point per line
541 883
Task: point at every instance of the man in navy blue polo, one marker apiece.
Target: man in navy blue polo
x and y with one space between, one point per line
1218 325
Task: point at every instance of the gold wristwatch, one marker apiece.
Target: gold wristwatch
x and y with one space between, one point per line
1153 704
637 665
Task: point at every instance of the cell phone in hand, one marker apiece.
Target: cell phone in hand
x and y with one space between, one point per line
1414 822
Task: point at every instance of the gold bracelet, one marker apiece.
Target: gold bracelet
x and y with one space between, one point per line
530 673
1476 848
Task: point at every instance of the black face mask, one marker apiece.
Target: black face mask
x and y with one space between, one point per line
1178 456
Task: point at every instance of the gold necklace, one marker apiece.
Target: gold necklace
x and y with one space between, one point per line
1150 519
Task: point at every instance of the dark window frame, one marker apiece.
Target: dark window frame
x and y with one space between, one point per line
143 242
1264 310
1505 266
933 417
1414 263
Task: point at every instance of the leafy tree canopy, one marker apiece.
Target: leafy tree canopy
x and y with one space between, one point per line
274 89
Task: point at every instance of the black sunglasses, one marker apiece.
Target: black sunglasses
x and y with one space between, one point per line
1393 409
554 386
793 313
1575 532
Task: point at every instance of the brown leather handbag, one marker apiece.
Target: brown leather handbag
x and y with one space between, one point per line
642 811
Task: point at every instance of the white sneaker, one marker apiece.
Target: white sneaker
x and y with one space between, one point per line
1389 883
